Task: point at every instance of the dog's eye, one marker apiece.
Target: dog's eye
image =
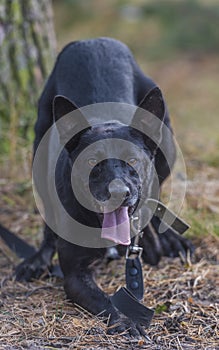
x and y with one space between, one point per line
132 161
92 161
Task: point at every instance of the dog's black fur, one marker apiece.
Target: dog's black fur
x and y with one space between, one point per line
89 72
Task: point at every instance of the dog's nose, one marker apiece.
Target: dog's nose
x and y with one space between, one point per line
119 190
121 193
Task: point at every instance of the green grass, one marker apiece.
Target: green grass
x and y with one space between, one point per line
202 223
187 26
153 29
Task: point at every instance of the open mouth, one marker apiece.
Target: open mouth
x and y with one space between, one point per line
116 225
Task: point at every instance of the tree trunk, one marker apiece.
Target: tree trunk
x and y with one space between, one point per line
27 53
27 46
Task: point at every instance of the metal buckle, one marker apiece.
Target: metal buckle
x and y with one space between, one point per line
134 229
134 250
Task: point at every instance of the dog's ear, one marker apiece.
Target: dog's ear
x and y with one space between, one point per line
62 106
149 117
69 120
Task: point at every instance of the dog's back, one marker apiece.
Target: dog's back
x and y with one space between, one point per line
92 71
97 70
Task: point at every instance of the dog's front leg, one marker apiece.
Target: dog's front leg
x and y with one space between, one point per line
36 265
81 289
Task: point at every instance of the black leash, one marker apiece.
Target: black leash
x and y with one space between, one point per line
126 299
167 216
24 250
16 244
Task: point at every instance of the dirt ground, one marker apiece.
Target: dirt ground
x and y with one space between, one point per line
37 316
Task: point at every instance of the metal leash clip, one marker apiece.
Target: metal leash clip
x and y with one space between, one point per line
134 250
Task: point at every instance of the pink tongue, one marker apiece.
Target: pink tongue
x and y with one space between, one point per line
116 226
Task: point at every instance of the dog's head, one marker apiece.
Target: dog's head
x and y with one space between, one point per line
113 163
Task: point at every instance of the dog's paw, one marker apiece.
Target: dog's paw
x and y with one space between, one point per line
125 326
174 245
31 268
169 243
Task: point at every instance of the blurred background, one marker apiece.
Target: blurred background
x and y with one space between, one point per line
176 42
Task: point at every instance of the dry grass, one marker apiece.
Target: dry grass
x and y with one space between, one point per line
185 296
37 316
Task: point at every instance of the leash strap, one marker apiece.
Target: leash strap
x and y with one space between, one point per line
127 299
167 216
23 249
134 276
16 244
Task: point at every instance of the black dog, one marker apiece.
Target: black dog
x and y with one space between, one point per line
90 72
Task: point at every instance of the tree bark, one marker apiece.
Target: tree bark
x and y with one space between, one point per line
27 53
27 47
